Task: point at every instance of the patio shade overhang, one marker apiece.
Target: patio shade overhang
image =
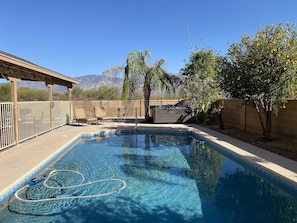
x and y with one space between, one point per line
15 67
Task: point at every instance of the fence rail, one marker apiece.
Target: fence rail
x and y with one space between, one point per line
61 113
35 118
7 138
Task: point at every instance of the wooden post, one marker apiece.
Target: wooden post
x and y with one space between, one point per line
50 98
70 102
14 99
140 107
69 94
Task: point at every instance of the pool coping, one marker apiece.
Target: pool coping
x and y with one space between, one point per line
56 142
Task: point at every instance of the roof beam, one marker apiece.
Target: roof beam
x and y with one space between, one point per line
11 66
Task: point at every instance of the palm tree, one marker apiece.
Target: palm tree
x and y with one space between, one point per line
138 72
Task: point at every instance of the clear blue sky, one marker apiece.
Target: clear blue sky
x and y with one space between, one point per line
80 37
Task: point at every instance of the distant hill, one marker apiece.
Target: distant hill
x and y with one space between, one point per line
94 81
86 82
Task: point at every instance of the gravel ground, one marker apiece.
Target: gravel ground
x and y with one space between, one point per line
283 147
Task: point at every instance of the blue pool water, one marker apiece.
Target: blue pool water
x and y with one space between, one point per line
166 178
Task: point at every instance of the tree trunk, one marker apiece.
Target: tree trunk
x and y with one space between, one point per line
146 95
268 125
220 115
266 129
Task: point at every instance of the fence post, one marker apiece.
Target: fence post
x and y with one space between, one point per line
50 98
140 108
14 99
136 118
71 105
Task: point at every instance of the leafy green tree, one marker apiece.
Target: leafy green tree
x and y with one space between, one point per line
101 93
5 92
77 93
137 72
199 83
89 94
262 70
107 93
57 96
27 94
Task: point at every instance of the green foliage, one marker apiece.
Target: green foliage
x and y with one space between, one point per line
125 91
60 97
200 86
107 93
5 92
77 93
262 70
138 72
263 67
135 73
101 93
27 94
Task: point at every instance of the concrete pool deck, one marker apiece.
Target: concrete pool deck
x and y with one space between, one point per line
19 162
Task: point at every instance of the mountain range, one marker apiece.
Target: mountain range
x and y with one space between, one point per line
86 82
94 81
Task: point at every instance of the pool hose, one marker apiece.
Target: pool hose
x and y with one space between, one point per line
80 184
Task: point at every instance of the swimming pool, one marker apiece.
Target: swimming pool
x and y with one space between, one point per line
167 178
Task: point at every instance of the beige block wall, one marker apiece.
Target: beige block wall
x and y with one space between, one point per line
284 123
115 108
252 120
232 113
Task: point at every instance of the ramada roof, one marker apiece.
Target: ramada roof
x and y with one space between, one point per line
14 67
